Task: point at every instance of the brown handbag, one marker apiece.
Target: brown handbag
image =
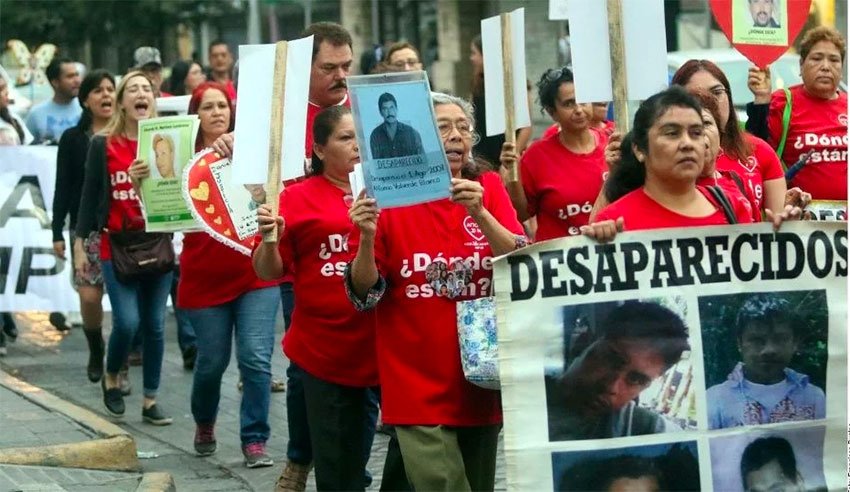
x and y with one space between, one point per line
138 254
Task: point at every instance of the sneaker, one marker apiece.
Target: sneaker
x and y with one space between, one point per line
205 444
293 478
58 322
154 415
255 455
190 355
113 400
124 382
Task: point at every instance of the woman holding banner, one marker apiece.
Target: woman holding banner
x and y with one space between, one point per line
749 156
97 98
447 428
560 175
109 203
328 339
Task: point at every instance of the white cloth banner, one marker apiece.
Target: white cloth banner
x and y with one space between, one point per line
32 278
681 359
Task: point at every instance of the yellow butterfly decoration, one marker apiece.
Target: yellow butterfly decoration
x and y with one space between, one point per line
31 65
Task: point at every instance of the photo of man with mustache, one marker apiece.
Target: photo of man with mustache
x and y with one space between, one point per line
596 396
393 138
762 389
763 12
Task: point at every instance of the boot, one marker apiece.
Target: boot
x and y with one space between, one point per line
94 369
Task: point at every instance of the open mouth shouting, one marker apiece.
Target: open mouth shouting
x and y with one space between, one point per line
141 108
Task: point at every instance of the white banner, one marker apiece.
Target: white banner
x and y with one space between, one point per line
32 278
682 359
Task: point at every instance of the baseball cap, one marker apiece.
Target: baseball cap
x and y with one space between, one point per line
147 55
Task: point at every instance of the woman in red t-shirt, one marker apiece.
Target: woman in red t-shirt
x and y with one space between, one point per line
560 175
406 259
109 202
224 299
328 339
749 156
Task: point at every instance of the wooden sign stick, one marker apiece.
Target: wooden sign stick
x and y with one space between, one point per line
619 84
508 71
276 135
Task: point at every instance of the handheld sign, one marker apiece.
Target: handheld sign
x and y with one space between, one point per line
503 45
761 31
403 160
166 144
635 64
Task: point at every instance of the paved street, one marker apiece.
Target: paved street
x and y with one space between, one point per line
55 362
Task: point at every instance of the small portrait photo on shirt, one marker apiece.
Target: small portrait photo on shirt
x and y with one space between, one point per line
671 466
765 357
778 460
623 369
759 22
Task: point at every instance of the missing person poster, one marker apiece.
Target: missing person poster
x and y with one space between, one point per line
166 144
706 358
403 159
762 22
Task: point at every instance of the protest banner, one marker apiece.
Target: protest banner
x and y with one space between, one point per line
505 95
673 357
619 52
32 277
761 30
254 112
167 145
401 152
224 209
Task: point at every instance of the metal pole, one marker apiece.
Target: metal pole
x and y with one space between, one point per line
253 22
376 29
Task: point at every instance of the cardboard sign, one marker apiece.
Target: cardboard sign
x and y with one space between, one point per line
494 73
224 209
761 30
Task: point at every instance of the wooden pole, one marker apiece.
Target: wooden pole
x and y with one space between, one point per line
508 73
618 65
276 135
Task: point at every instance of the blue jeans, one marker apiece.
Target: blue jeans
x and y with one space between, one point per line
250 318
298 449
137 306
185 332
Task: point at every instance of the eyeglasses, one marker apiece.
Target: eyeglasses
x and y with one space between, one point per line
717 90
410 62
462 127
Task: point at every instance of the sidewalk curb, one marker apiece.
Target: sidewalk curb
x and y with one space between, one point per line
156 482
114 451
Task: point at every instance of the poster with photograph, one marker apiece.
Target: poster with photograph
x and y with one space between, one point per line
675 350
166 144
403 159
761 22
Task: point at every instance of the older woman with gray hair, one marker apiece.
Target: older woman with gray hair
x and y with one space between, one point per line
417 262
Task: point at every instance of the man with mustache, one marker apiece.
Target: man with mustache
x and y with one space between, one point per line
393 138
762 389
596 397
762 12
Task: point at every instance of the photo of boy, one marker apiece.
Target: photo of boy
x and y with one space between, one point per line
761 387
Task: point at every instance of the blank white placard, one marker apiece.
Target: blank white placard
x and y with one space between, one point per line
645 47
590 50
494 75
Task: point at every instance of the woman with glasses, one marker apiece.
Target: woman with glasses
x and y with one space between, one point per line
328 339
560 175
413 265
748 156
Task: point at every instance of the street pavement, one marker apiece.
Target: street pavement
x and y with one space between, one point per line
56 362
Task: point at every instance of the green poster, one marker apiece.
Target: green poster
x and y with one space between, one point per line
166 144
763 22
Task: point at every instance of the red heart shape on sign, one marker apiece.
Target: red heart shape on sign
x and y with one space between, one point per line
218 207
761 30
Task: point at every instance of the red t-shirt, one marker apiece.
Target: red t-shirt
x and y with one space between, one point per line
561 186
763 165
312 111
231 91
819 125
125 212
733 191
422 381
641 212
212 273
608 128
328 338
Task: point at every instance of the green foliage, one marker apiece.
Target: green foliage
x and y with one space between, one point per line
720 346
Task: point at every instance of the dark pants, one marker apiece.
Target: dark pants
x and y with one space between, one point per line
336 416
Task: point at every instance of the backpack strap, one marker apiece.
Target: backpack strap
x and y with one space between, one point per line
786 121
724 203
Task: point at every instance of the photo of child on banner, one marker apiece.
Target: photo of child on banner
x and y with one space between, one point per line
402 157
166 144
